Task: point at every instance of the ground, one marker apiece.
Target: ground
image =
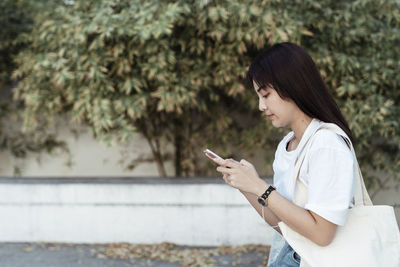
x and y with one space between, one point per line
102 255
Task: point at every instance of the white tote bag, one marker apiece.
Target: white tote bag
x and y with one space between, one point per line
370 236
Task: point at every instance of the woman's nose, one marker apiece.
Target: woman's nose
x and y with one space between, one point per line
261 105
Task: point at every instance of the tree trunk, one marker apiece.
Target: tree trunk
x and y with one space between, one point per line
178 155
157 157
155 148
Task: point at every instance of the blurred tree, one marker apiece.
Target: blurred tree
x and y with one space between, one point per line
16 19
154 67
174 71
356 45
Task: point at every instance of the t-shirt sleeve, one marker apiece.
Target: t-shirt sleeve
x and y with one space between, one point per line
331 183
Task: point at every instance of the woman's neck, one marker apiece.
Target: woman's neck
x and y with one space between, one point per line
299 126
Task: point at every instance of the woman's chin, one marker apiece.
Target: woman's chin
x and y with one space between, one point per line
276 123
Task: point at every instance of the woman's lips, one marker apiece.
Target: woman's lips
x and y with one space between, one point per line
270 116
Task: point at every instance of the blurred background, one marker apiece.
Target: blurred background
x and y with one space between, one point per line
111 103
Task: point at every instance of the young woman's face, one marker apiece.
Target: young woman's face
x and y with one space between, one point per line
281 112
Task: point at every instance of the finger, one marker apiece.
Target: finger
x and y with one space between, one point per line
231 180
225 170
226 178
219 161
231 163
246 163
233 160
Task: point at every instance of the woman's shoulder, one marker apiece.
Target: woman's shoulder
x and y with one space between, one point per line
325 138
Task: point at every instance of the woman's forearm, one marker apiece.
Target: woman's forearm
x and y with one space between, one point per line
242 175
302 221
269 216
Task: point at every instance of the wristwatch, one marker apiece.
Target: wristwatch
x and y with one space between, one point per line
263 198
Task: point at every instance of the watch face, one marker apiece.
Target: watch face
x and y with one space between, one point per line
261 201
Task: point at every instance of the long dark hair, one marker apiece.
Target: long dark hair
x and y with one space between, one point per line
290 70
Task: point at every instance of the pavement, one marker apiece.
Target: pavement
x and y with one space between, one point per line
121 255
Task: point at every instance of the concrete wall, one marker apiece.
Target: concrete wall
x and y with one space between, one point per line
88 158
185 211
201 211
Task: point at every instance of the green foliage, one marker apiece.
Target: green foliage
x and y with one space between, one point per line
175 71
356 45
160 68
13 22
16 20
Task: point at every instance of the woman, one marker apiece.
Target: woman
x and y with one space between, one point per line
292 93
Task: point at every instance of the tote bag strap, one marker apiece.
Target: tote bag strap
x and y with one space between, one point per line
361 196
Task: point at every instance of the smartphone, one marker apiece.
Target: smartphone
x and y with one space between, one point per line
211 154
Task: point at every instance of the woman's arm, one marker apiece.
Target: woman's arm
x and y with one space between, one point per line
243 176
269 216
305 222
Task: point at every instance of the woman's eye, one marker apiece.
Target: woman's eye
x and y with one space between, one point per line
265 96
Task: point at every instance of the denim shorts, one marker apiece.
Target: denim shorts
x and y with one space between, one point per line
287 257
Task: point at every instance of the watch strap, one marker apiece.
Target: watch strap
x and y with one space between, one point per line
268 192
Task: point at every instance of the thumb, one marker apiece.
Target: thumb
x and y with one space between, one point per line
246 163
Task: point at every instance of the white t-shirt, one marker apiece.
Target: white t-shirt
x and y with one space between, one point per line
327 172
